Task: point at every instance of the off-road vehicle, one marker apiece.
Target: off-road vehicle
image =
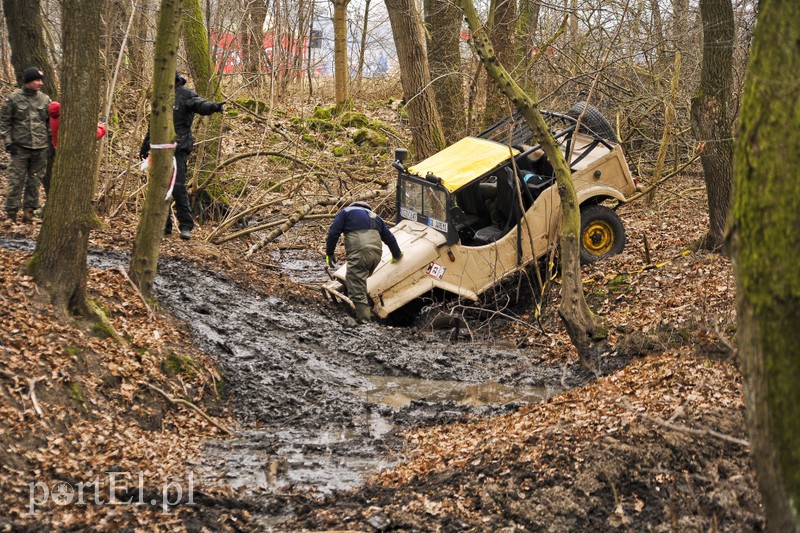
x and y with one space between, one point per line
487 206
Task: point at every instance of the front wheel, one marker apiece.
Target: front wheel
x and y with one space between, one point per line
602 233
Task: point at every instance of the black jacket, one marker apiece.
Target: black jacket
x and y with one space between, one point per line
187 103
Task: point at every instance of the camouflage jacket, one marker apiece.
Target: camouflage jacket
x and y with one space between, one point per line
24 119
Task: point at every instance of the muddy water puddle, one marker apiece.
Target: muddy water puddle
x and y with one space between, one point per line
399 392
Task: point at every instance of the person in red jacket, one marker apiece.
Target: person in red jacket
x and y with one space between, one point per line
54 110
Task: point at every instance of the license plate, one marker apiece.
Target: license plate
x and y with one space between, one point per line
437 224
408 214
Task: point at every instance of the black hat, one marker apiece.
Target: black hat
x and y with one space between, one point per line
179 80
363 205
31 73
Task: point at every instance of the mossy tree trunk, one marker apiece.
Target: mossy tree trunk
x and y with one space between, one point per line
415 77
144 258
443 20
59 261
26 38
585 328
201 64
341 70
710 117
527 28
765 243
198 52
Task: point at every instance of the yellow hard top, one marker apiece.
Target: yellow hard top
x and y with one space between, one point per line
464 161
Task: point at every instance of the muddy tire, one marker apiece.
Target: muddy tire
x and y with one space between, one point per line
594 121
602 233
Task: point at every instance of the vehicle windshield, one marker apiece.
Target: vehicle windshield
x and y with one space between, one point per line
423 203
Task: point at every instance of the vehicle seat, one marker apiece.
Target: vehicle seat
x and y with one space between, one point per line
472 206
506 212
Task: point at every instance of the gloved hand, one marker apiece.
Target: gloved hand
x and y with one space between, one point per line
330 260
396 259
218 107
11 148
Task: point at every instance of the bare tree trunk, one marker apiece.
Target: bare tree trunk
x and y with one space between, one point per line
26 38
658 30
502 34
574 35
363 48
144 258
583 326
710 118
766 215
137 45
443 19
680 24
59 261
341 73
423 117
252 40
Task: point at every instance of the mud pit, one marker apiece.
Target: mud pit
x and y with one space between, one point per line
323 399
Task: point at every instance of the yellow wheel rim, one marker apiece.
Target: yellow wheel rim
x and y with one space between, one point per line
598 238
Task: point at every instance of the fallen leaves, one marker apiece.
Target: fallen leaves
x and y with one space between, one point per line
84 388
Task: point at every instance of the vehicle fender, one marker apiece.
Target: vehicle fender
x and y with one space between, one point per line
601 192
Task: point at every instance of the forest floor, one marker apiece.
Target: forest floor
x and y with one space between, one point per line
302 421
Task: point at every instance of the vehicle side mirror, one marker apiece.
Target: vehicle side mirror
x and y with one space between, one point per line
400 154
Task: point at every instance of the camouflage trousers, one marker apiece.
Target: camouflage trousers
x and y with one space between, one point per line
24 176
364 250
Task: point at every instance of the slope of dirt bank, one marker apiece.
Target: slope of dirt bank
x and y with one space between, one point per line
80 411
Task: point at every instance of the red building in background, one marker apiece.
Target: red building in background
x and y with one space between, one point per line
229 56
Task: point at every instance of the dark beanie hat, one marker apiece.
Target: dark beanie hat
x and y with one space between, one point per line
363 205
31 73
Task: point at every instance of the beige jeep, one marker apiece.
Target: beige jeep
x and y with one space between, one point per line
460 220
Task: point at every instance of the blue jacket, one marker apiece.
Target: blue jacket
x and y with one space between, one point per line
355 218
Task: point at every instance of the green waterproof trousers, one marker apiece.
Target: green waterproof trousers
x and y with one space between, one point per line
24 176
363 249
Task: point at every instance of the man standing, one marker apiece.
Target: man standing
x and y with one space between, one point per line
187 103
363 232
25 130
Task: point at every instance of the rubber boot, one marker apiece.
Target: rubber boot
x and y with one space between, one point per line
363 314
